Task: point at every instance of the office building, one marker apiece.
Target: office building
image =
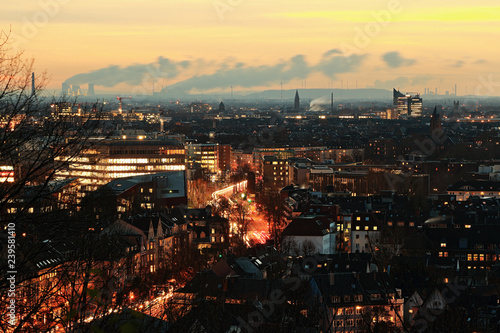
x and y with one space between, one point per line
212 157
408 105
126 154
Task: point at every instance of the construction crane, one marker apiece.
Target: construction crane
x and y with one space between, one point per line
120 101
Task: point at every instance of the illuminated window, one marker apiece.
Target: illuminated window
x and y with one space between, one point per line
443 244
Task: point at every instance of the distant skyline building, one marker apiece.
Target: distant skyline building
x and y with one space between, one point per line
65 88
75 89
407 104
296 103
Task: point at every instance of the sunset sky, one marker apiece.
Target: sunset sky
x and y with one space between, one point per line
195 45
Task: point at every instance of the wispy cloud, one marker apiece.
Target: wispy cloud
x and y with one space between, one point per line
458 64
394 59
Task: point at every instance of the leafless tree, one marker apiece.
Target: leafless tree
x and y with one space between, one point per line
272 204
35 143
308 248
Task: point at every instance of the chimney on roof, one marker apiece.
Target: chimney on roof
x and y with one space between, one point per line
331 277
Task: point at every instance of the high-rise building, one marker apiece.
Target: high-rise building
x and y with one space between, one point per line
407 104
395 96
212 157
415 106
275 172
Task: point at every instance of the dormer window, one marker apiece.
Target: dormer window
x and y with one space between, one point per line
443 244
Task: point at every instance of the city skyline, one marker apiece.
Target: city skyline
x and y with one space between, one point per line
197 46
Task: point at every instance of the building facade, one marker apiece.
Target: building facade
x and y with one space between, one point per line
128 154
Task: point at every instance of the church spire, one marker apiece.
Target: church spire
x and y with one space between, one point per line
435 121
296 104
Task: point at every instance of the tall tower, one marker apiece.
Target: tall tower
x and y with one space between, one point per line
296 104
33 83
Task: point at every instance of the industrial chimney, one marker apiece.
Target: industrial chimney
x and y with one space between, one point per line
33 83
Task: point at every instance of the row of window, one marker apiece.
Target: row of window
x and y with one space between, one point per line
349 322
347 298
481 257
400 224
473 256
348 311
